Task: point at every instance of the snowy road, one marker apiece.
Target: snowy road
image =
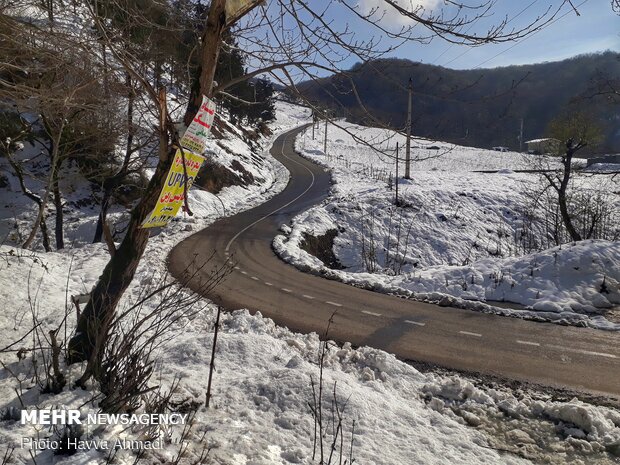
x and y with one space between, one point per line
577 358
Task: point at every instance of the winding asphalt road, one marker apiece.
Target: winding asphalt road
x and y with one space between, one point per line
580 359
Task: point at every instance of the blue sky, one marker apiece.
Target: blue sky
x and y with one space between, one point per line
596 29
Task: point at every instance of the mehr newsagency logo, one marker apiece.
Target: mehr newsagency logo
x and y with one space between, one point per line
73 419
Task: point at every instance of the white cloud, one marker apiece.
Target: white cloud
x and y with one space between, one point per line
390 15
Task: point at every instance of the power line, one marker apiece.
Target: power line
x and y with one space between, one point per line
531 35
470 48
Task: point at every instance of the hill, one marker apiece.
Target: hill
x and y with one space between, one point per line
480 107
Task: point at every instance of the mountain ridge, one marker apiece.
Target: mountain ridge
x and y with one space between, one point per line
478 107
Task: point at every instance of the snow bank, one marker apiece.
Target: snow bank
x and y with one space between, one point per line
262 390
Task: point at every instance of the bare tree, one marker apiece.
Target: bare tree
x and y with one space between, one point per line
47 75
563 204
16 130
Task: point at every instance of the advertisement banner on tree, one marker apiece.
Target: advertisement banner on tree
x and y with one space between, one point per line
235 9
173 194
196 135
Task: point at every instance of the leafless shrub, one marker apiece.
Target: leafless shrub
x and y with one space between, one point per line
393 245
328 436
137 332
593 211
43 356
7 456
163 401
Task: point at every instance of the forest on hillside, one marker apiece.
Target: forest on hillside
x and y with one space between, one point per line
479 107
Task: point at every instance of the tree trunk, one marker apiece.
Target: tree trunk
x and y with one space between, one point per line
216 20
49 6
58 228
157 72
566 218
35 198
99 312
568 222
111 183
94 321
45 235
105 205
42 206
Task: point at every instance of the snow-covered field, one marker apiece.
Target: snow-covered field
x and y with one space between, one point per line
455 235
260 413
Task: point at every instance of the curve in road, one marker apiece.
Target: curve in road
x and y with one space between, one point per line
582 359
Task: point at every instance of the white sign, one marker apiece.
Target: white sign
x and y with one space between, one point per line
195 138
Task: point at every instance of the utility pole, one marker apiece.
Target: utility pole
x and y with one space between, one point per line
325 141
396 184
521 137
313 124
408 147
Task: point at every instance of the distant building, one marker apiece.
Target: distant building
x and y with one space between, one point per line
541 146
501 149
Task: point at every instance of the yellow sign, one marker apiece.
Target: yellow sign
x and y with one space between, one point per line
235 9
173 193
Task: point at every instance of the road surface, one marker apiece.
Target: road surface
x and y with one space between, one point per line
581 359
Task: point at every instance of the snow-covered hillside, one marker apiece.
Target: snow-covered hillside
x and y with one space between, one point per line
455 234
234 150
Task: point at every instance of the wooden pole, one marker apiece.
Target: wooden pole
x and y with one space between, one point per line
325 139
396 201
212 364
408 147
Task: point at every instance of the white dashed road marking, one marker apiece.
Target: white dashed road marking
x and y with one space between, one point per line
306 296
581 351
417 323
268 284
528 343
255 278
286 290
371 313
244 272
237 268
335 304
467 333
234 238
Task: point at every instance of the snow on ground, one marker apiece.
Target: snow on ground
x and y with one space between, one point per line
81 198
262 386
351 142
456 236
